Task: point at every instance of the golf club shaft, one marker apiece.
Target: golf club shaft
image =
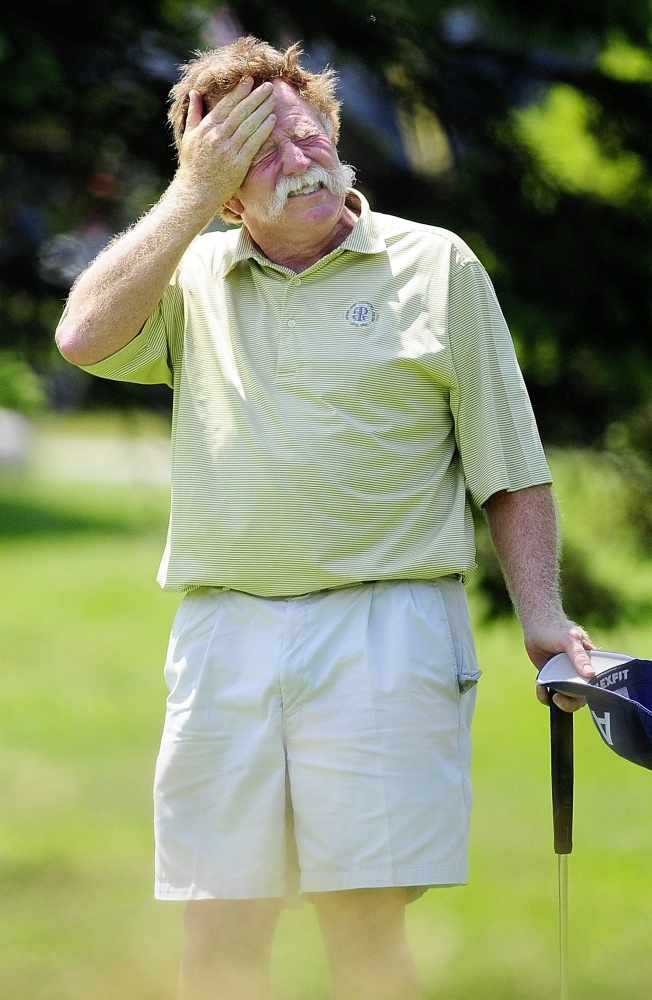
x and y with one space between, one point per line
562 773
562 880
561 766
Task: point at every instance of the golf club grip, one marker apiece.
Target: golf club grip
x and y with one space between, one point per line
561 763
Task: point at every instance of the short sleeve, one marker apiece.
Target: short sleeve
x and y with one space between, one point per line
495 427
154 355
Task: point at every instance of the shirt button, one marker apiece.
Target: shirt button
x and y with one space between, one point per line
296 281
291 324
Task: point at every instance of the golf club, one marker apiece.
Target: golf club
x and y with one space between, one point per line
619 698
561 770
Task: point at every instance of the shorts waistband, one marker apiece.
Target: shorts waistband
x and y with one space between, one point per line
459 577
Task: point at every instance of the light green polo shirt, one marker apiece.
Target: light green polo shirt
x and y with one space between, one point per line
327 424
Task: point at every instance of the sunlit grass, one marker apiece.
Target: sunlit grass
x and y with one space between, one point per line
84 629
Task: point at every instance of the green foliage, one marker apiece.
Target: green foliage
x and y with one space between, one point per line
524 129
624 61
85 147
546 116
613 491
21 388
586 599
560 132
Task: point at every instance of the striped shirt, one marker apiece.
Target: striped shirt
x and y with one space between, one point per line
327 424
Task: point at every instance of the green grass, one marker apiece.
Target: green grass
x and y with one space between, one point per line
84 629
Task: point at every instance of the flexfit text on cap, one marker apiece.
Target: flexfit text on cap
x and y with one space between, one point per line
619 698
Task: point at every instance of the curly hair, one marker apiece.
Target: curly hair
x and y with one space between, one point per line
217 71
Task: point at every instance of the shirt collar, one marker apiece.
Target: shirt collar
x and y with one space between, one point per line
365 237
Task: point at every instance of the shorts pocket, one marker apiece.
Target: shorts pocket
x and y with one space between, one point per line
456 610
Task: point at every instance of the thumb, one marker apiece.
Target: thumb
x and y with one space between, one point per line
195 110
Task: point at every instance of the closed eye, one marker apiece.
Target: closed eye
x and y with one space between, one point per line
263 154
268 150
308 140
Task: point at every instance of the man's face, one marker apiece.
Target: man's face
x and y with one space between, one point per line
296 176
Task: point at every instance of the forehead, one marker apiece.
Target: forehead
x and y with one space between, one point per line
292 110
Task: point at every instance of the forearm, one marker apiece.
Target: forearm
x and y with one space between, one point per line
523 527
112 299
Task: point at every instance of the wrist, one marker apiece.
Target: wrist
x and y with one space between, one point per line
186 209
194 199
536 619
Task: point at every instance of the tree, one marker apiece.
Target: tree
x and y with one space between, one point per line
569 250
524 129
83 139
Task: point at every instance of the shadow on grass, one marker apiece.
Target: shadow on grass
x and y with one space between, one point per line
587 599
23 516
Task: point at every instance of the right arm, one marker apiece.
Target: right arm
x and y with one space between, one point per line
112 299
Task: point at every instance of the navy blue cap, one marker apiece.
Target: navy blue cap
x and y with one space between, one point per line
619 697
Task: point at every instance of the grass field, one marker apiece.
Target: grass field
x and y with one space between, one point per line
84 629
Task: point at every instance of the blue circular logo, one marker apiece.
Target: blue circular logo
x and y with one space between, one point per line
361 314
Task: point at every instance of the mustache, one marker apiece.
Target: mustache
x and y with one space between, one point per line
337 179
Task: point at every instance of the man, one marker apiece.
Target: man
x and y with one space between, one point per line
340 379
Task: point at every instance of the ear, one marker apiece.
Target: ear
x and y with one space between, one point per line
234 205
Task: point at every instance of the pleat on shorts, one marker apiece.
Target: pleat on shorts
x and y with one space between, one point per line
316 743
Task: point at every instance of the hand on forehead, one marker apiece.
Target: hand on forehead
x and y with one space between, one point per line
290 106
296 121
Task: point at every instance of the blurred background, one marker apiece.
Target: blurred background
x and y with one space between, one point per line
525 130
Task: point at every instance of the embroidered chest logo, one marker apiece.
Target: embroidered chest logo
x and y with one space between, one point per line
361 314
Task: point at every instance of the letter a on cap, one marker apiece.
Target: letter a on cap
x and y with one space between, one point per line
604 726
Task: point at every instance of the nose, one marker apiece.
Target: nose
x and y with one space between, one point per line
294 160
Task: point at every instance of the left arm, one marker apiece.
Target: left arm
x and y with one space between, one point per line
523 527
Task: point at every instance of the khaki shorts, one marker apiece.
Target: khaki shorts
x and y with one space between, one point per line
316 743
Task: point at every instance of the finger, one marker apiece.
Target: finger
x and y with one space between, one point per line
577 651
543 694
195 110
238 103
568 702
261 117
582 663
248 150
261 101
